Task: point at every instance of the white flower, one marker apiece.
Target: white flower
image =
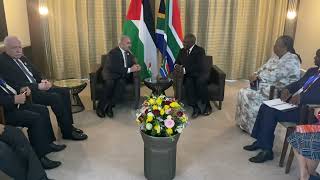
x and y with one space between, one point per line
148 126
179 130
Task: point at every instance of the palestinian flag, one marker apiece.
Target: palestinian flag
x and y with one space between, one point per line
168 34
139 26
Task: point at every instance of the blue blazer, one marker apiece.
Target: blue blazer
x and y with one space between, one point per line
312 95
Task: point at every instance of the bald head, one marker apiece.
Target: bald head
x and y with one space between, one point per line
125 43
189 40
13 47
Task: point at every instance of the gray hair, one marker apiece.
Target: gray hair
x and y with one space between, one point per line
8 38
123 37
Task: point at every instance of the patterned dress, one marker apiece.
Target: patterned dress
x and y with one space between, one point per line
276 72
307 142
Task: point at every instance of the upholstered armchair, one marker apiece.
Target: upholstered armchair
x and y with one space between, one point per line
132 91
216 84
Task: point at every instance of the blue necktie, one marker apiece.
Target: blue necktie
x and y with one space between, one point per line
25 71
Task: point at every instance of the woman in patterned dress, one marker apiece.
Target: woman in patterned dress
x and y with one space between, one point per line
279 71
306 144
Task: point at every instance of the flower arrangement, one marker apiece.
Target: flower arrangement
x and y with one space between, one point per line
161 116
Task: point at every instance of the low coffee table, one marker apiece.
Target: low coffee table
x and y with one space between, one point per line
158 86
75 86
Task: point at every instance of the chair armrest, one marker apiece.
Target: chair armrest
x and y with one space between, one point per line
217 76
274 92
177 77
307 113
93 82
2 120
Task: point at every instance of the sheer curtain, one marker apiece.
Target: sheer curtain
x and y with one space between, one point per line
239 34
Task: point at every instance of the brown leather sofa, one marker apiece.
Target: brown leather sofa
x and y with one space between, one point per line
216 84
132 91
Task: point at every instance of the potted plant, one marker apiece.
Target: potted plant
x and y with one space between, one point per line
161 120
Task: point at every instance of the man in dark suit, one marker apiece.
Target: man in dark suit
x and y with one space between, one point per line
35 117
303 91
191 61
118 66
17 158
18 72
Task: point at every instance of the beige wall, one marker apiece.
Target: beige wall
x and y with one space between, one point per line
307 39
17 20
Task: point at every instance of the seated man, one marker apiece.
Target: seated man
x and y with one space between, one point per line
303 91
190 60
35 117
18 72
117 71
17 158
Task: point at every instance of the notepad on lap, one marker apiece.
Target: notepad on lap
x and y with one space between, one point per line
279 105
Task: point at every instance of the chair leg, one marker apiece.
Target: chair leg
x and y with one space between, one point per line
94 105
285 147
220 105
217 105
289 162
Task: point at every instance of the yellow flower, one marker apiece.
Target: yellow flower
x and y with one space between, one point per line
154 107
166 107
157 128
174 105
159 101
149 118
169 131
184 118
151 101
161 112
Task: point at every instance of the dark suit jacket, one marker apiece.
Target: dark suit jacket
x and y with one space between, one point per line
14 76
194 63
7 101
312 95
112 64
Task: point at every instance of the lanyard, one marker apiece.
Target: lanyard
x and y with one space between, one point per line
2 82
310 82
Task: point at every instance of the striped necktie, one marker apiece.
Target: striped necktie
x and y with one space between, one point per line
25 71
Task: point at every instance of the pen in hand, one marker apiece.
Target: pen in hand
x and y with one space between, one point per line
24 93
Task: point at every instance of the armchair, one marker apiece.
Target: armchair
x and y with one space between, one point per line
97 87
216 84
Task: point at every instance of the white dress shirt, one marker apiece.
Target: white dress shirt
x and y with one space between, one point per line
124 59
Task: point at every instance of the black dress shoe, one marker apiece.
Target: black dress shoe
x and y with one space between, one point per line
100 113
77 130
56 147
76 136
109 112
49 164
196 112
252 147
207 110
262 156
